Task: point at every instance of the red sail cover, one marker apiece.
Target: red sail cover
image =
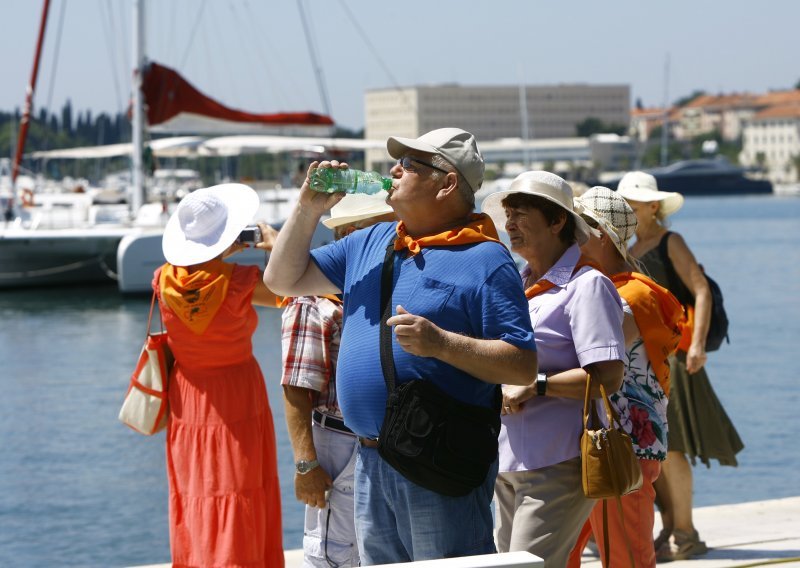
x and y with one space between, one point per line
167 94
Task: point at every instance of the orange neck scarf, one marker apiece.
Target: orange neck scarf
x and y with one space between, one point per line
479 229
658 316
542 285
195 297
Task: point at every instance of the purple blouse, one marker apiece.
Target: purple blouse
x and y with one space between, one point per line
575 323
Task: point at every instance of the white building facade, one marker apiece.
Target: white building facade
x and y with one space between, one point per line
491 112
771 139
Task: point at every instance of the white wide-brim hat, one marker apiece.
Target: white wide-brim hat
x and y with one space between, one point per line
208 221
641 186
542 184
356 207
612 213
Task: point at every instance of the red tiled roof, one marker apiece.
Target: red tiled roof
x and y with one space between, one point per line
779 111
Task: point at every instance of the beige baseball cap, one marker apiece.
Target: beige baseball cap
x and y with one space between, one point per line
453 144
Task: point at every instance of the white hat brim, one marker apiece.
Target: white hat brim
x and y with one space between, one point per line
242 202
360 207
670 201
493 207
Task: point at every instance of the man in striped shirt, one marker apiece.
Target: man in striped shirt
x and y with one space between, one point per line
324 448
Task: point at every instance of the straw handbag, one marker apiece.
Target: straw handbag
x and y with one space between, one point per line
146 406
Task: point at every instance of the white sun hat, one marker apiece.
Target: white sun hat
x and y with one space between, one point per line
208 221
543 184
641 186
612 213
356 207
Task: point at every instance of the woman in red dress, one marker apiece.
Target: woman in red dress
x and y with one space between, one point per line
224 495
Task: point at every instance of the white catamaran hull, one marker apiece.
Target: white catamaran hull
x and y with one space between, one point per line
62 256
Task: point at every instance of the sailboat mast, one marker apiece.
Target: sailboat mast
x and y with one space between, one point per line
26 115
137 136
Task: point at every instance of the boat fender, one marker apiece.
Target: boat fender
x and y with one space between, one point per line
27 197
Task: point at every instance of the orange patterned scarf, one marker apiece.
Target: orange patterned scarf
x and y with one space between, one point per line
543 285
659 321
479 229
197 296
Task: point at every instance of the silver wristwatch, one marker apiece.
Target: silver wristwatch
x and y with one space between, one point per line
304 466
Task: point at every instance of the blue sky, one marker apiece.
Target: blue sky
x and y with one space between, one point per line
253 54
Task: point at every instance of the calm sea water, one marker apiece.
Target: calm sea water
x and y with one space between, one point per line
79 489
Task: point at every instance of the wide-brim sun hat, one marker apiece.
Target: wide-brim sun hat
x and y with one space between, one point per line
642 187
457 146
355 207
208 221
612 213
542 184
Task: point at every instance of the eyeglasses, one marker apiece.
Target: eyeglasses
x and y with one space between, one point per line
406 163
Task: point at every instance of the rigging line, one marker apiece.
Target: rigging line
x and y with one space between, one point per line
314 62
110 29
273 83
193 32
363 35
60 269
46 140
247 55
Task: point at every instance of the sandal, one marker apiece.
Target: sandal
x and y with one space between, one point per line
663 546
662 537
687 545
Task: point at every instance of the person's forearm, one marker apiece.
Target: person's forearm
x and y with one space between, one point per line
702 318
490 360
297 403
289 258
572 383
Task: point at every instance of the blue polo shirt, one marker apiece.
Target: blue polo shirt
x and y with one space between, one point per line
471 289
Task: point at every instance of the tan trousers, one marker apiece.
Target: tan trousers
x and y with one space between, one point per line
542 511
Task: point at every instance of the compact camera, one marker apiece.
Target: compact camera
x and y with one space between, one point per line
250 234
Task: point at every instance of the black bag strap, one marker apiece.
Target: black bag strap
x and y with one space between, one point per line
387 358
674 282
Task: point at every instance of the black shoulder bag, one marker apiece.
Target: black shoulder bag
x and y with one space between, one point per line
718 326
432 439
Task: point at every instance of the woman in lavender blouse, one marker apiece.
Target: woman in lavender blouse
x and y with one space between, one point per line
577 321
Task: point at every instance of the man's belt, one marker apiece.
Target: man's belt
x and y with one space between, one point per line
331 422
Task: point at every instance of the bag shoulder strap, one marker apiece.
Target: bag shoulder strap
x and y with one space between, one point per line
153 303
385 334
674 282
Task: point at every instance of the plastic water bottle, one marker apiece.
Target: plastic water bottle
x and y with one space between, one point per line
330 180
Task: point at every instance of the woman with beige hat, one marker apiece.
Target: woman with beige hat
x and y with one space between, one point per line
577 321
698 425
651 325
224 494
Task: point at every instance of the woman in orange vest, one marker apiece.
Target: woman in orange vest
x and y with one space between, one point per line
652 330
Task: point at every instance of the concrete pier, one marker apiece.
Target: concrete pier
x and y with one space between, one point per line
760 533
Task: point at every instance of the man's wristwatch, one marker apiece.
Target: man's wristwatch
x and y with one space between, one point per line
541 384
304 466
